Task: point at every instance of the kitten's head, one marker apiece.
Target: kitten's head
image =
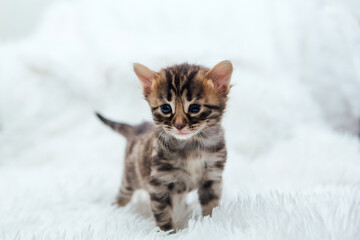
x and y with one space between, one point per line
184 99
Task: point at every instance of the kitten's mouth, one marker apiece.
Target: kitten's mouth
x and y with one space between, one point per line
182 134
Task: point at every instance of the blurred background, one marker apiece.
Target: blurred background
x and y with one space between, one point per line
292 124
19 18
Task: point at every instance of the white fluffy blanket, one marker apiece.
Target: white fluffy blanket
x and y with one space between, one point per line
292 123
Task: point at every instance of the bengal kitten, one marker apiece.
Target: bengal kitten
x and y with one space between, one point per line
185 149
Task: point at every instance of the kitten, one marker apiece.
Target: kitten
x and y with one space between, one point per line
185 149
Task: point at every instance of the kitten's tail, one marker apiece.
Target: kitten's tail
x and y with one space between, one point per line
122 128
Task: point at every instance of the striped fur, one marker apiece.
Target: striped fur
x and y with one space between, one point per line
122 128
167 161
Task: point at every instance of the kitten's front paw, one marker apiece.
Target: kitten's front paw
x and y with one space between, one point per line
168 232
121 201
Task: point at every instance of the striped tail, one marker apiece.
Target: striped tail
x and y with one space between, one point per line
122 128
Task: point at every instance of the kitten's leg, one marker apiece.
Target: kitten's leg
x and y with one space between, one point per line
161 202
211 184
209 195
125 193
180 212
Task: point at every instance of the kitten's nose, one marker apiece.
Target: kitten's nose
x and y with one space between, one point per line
179 122
179 125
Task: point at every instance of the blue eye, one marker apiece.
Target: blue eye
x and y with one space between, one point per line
165 108
194 108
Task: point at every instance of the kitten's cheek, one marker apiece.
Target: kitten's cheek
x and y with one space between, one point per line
166 128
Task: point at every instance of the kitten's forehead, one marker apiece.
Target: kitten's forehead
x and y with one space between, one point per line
182 80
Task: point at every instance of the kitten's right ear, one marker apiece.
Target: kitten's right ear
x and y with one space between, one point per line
145 75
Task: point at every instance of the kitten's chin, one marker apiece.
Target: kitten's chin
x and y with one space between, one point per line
183 136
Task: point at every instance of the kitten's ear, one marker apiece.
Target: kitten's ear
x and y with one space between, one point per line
145 75
220 76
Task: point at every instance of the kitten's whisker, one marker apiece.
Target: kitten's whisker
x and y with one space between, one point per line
202 141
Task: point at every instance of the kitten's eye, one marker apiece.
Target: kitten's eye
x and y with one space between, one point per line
194 108
165 108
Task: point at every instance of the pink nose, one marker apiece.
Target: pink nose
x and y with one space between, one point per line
180 125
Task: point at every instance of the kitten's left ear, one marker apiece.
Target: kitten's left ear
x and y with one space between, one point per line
220 75
146 76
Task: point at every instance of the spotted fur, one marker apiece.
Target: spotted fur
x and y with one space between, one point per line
182 151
